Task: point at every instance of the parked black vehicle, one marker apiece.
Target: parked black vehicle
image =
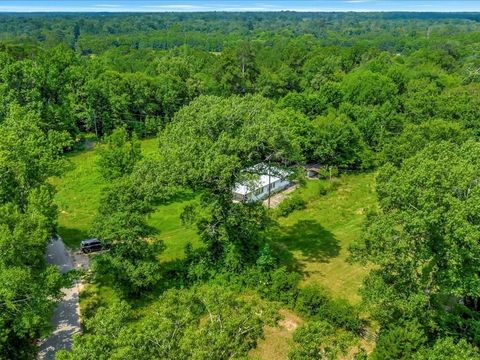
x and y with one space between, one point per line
91 245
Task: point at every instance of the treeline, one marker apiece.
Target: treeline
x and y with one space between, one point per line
29 287
372 95
98 32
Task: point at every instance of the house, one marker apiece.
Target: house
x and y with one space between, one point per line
260 182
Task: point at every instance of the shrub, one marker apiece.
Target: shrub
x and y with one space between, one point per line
324 188
315 302
400 341
282 287
294 202
320 340
342 314
328 172
335 183
311 299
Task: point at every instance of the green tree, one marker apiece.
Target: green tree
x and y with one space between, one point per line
416 137
448 349
423 239
30 288
208 147
119 154
132 262
238 69
28 156
337 141
400 342
320 340
368 88
204 322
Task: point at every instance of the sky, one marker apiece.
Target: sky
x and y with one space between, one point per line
236 5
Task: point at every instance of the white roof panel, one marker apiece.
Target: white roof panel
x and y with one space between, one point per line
246 188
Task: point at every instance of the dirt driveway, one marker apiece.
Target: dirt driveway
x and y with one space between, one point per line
66 318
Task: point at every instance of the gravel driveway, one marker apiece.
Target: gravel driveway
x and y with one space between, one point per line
66 319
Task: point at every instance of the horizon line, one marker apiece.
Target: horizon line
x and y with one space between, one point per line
233 11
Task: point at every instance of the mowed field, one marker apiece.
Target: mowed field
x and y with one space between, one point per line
313 241
78 196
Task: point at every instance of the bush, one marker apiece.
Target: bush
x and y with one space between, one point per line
290 204
315 302
90 301
311 299
342 314
282 286
324 188
328 172
320 340
400 341
119 154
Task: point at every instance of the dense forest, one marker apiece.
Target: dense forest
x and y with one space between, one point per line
391 97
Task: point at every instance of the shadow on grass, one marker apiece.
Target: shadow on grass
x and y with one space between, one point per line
309 238
72 237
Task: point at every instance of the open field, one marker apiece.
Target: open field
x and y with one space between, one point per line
315 240
78 197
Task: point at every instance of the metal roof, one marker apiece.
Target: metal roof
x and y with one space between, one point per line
262 178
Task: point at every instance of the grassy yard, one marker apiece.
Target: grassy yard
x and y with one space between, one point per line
315 240
78 197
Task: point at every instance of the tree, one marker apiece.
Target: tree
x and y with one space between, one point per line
400 342
447 349
206 321
28 156
238 70
416 137
368 88
337 141
119 154
132 261
103 331
208 147
30 288
423 239
320 340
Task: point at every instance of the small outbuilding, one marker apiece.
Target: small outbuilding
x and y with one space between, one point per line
312 170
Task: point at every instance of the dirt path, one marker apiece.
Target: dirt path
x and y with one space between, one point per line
276 199
66 318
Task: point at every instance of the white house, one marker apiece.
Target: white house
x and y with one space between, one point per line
261 182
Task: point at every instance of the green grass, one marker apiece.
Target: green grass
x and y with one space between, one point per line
315 240
78 197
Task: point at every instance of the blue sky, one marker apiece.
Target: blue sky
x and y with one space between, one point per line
236 5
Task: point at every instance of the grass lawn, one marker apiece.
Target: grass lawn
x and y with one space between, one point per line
78 197
315 240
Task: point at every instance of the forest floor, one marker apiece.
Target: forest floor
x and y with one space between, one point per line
313 241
